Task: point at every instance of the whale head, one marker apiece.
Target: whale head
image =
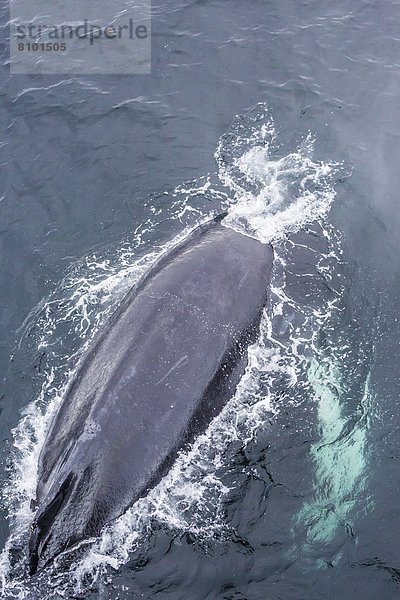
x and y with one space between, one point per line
65 518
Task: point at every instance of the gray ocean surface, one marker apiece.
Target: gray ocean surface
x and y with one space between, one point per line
98 171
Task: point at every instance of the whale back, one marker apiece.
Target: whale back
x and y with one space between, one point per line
163 367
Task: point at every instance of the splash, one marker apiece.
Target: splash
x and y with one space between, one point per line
273 194
269 194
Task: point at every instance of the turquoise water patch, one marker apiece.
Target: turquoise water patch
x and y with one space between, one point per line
340 461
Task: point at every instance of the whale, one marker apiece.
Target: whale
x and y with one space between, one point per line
159 371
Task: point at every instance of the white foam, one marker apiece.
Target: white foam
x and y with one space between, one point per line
266 197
